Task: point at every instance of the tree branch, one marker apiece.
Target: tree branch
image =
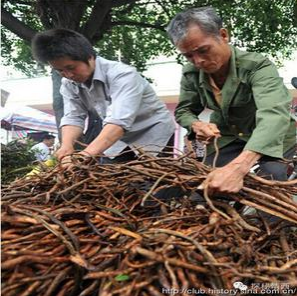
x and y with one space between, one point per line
16 2
97 20
17 27
79 12
61 13
137 24
45 20
117 3
100 18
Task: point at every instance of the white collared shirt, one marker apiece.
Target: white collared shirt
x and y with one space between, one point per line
41 151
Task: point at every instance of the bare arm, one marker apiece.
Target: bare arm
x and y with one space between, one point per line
107 137
228 178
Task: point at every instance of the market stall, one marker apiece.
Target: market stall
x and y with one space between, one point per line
21 121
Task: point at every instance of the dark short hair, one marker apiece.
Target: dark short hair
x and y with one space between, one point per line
60 43
48 137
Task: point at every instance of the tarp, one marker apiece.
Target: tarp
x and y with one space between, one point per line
27 118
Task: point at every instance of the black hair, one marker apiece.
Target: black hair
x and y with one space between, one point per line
60 43
48 137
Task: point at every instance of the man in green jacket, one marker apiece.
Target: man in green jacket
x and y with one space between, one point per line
250 120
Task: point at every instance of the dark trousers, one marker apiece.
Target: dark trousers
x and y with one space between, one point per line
270 167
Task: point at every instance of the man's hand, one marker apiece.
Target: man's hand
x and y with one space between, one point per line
67 162
229 178
64 155
205 132
70 134
63 151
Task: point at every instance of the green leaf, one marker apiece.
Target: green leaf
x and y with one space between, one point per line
122 277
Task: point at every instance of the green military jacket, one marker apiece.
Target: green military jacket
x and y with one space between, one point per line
255 105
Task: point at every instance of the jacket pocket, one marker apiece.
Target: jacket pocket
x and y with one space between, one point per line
243 96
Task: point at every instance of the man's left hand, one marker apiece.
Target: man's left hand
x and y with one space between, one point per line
227 179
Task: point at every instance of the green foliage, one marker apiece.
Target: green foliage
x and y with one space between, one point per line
135 31
16 160
122 277
17 52
269 29
134 47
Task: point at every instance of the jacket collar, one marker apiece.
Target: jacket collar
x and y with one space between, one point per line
231 84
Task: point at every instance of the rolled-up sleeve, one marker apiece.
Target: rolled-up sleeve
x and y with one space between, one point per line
75 112
126 92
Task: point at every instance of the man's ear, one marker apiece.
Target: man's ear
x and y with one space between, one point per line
224 34
91 60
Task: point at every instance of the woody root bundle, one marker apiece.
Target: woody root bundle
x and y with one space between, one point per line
143 228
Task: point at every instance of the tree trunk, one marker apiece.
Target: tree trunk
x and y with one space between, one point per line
58 104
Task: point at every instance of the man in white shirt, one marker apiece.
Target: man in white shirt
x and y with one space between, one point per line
131 112
42 149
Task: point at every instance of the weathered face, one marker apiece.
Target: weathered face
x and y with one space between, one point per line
77 71
206 52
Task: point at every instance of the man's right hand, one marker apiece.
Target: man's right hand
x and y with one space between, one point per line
205 132
63 151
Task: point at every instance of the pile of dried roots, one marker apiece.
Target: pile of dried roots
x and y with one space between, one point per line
142 228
